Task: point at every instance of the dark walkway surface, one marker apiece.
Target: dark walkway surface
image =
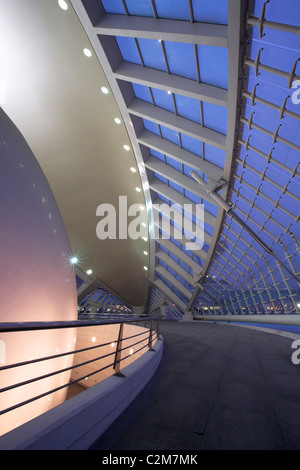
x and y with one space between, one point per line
217 387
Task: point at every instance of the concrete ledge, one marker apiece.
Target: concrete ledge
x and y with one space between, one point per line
77 423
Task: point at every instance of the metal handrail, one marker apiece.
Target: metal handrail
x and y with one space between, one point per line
29 326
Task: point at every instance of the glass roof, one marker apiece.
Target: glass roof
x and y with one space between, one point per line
181 97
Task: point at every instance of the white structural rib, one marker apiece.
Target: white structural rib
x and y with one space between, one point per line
176 198
178 123
170 294
151 140
169 277
237 14
170 213
156 165
167 30
165 258
164 81
172 248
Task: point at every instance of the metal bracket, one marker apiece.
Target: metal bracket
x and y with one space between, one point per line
292 73
257 62
282 109
275 135
253 95
262 19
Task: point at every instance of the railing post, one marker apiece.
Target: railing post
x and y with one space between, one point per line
150 336
157 329
117 361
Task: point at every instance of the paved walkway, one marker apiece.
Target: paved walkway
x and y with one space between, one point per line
218 387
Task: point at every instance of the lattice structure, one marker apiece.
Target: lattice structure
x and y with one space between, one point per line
245 278
103 302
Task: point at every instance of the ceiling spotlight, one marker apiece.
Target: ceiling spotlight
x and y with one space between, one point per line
126 147
74 260
89 271
117 121
87 52
138 189
63 4
133 170
104 90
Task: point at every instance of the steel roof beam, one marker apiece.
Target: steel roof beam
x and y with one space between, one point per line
151 140
169 277
178 235
166 118
169 293
156 165
165 258
163 81
168 245
172 195
164 29
237 16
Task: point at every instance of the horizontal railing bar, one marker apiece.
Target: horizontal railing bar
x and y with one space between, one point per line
35 379
45 376
30 400
130 355
20 364
29 326
56 356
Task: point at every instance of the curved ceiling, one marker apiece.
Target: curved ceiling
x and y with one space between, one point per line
52 92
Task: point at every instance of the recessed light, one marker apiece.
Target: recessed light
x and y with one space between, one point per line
63 4
126 147
132 169
138 189
87 52
104 90
89 271
117 121
145 253
74 260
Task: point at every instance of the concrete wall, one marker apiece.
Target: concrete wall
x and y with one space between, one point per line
77 423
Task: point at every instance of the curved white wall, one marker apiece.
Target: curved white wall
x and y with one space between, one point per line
37 282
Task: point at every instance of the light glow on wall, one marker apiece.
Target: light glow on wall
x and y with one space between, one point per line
37 281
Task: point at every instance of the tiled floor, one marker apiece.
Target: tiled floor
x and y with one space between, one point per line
218 387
